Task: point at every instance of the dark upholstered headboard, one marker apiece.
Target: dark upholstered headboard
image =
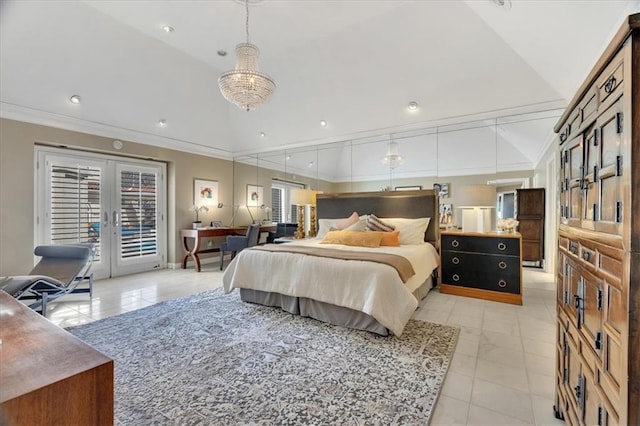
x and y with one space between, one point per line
410 204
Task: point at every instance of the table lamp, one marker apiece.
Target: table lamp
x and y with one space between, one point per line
300 198
312 214
476 202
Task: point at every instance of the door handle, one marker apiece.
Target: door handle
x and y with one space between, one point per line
116 219
105 222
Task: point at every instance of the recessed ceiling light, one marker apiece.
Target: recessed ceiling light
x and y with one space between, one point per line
288 157
75 99
413 105
162 122
117 144
263 134
503 3
323 123
222 52
167 29
311 163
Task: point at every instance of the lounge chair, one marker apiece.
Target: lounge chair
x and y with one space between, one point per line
61 268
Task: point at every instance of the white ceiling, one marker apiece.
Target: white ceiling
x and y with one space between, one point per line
505 73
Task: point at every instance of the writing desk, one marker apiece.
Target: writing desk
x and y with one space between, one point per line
198 234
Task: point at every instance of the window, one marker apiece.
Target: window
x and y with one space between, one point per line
281 208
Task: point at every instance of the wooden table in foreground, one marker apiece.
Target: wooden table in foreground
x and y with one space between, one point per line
47 375
198 234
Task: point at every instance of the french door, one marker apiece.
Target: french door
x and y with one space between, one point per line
117 204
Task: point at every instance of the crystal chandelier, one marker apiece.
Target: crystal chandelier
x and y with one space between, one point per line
246 86
392 159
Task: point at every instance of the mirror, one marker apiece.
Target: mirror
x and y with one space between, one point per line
500 152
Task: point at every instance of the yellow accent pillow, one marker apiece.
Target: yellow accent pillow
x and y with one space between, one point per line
353 238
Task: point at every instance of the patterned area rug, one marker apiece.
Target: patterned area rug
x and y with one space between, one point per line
212 359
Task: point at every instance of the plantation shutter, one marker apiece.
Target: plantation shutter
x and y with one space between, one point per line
138 213
75 204
276 204
283 210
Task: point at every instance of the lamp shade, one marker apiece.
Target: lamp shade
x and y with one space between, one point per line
314 196
301 197
476 196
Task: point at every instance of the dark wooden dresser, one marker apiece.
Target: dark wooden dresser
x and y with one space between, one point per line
47 375
482 265
530 214
598 264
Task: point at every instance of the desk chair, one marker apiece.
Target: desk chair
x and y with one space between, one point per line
61 268
282 230
236 243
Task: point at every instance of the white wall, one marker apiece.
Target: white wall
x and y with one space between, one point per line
546 176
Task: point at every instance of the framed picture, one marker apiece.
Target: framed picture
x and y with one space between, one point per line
408 188
442 189
205 192
255 196
446 214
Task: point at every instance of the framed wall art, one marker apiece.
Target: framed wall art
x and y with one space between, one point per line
205 192
442 189
255 197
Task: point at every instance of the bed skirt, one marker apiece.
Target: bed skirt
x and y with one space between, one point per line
326 312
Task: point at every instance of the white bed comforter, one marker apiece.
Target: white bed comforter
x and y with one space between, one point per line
372 288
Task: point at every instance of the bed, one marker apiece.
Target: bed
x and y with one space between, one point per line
359 294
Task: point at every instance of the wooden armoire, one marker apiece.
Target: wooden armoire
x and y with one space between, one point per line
598 264
530 215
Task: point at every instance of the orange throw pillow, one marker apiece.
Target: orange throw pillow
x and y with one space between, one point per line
390 239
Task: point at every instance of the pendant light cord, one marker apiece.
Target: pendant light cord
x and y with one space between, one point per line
246 24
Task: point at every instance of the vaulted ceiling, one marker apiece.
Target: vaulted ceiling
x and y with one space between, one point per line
487 78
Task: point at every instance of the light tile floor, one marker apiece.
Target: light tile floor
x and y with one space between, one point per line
501 372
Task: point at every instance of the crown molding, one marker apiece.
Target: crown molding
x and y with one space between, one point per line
59 121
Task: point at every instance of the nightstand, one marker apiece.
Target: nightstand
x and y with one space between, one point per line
482 265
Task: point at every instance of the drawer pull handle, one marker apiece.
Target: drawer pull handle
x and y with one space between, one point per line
577 301
502 246
502 283
456 277
502 265
455 243
610 84
455 260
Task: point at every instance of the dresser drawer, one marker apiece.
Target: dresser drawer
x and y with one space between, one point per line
485 245
494 281
507 265
610 81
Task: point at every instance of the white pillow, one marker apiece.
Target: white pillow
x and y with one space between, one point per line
351 223
358 226
411 230
325 225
